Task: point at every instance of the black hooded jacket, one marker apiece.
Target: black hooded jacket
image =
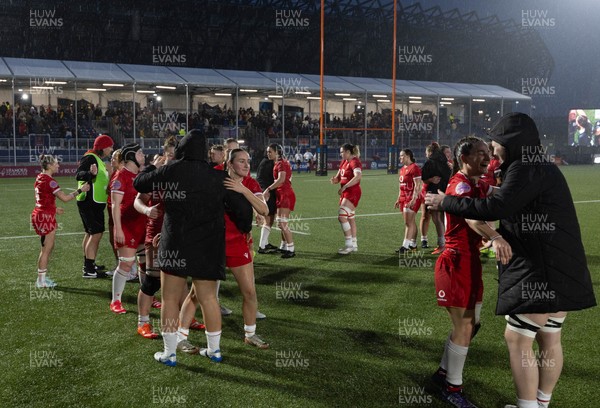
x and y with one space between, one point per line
548 271
436 165
193 234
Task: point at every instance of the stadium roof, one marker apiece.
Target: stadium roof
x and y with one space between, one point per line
78 71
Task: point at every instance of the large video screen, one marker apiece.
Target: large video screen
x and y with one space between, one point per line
584 127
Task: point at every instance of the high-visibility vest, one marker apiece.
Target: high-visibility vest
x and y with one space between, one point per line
99 183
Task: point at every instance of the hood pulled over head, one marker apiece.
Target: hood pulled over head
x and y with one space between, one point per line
515 132
192 147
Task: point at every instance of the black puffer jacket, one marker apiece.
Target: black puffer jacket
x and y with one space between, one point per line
548 271
193 234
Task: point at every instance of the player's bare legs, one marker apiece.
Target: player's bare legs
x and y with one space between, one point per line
244 275
206 294
43 259
535 375
171 288
286 234
120 276
438 220
46 250
424 225
347 221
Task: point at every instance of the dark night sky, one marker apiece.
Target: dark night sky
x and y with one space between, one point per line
572 41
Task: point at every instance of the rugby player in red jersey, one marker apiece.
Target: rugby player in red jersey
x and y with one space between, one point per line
286 198
238 246
116 164
43 216
409 198
348 176
130 225
458 272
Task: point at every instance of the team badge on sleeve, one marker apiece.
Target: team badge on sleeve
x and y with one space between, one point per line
462 188
53 184
116 185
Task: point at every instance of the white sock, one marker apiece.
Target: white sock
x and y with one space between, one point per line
423 237
249 331
457 355
412 243
354 242
182 334
290 247
405 243
170 341
282 245
264 236
444 361
348 242
527 404
143 319
118 284
543 399
213 341
42 275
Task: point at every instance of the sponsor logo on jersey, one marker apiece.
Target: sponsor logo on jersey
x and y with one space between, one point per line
462 188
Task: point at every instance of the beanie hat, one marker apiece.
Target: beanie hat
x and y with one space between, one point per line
102 142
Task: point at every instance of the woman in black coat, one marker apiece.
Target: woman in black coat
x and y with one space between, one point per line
192 239
547 274
436 174
264 176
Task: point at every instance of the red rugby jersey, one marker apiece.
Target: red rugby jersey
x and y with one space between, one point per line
45 188
459 236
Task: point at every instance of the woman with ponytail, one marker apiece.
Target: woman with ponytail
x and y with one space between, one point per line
286 198
43 217
348 176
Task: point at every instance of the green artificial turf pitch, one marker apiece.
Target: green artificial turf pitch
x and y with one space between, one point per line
345 331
